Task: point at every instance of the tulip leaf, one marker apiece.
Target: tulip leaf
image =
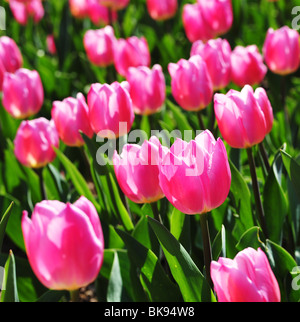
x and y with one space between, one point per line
192 284
151 273
293 170
115 284
3 223
76 178
250 239
9 291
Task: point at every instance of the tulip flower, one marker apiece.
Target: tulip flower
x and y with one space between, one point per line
115 4
50 42
217 55
71 116
99 46
10 57
147 89
247 66
99 14
195 176
191 83
137 171
23 93
162 10
246 278
24 10
64 243
78 8
110 109
131 52
281 50
244 118
34 142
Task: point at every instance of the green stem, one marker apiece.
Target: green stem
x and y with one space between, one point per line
74 295
39 172
206 247
264 155
255 186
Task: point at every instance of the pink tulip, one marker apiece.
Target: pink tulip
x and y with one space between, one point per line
50 42
195 26
110 109
64 243
216 53
23 93
34 142
131 52
23 10
162 10
244 118
246 278
195 177
282 50
71 116
10 57
147 89
79 8
137 171
191 83
115 4
217 14
99 46
247 66
99 14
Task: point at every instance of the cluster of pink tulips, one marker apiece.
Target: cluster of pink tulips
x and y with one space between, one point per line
64 242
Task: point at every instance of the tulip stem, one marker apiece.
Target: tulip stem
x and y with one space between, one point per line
74 295
255 186
206 247
39 172
264 155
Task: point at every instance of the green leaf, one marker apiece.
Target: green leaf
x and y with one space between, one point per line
250 239
115 284
9 287
293 169
152 275
192 284
76 178
3 223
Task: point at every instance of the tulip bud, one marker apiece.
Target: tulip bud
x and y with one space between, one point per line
191 84
50 42
71 116
115 4
195 177
137 171
244 118
247 66
64 243
34 142
147 89
246 278
100 15
24 10
162 10
23 93
10 57
131 52
99 46
78 8
110 109
282 50
216 54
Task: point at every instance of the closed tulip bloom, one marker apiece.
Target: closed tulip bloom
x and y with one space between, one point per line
147 89
195 26
281 50
99 46
64 243
244 118
110 109
247 66
217 14
191 83
217 55
246 278
71 116
79 8
34 142
195 176
115 4
131 52
162 10
23 93
10 57
99 14
137 171
50 42
24 10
